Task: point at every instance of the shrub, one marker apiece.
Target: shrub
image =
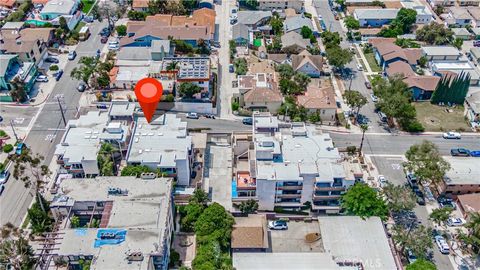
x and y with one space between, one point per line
235 106
414 126
121 30
7 148
3 133
53 68
174 258
169 98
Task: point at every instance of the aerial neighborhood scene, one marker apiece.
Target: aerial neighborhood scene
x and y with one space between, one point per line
240 134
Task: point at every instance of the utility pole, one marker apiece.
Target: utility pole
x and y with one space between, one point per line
61 110
350 85
14 133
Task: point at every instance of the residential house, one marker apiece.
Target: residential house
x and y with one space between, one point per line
296 23
189 69
472 108
461 33
422 87
279 58
253 18
54 9
359 3
312 65
279 5
441 53
375 17
7 3
171 154
320 99
458 16
476 33
11 69
443 3
78 150
424 15
241 34
131 222
399 68
259 92
387 52
199 26
369 33
140 5
475 54
462 178
454 68
468 204
30 44
475 13
250 234
294 43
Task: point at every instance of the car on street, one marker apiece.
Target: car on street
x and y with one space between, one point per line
1 118
192 115
105 32
420 200
452 135
475 153
410 256
382 180
104 40
454 222
359 67
41 78
278 225
81 87
97 54
460 152
19 149
2 188
51 60
4 175
368 85
247 121
446 202
88 19
374 98
72 55
58 75
230 68
442 245
411 179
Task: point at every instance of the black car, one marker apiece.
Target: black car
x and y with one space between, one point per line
58 75
51 60
460 152
247 121
105 32
446 202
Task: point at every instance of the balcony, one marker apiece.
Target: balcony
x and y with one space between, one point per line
245 182
326 197
289 196
289 187
330 188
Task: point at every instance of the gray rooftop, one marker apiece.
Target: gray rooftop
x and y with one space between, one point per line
366 14
350 238
283 261
4 60
476 30
240 30
160 46
62 7
461 32
121 108
296 22
440 50
252 17
134 53
293 38
464 171
189 67
12 25
473 100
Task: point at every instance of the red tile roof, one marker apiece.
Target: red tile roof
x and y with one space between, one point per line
318 98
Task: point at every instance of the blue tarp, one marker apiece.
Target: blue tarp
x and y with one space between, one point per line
110 237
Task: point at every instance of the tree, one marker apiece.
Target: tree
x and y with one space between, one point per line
355 100
15 251
398 198
241 66
452 89
457 43
7 148
285 70
338 57
134 170
188 89
190 213
75 222
121 30
248 207
331 39
405 19
86 70
421 264
136 15
288 87
306 32
182 47
215 223
473 224
18 92
364 128
190 5
302 80
417 239
199 197
434 34
364 201
351 23
38 214
423 61
440 215
106 159
29 169
276 24
426 162
172 66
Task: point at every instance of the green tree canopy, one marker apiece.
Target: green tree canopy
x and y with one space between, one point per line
440 215
351 23
302 80
355 100
135 170
435 34
276 24
248 207
188 89
417 239
399 197
421 264
338 57
15 250
121 30
364 201
331 39
285 71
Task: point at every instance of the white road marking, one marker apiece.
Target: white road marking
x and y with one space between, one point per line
50 137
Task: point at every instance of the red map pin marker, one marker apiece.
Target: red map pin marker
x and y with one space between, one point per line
148 92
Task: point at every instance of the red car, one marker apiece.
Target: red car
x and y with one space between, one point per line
104 40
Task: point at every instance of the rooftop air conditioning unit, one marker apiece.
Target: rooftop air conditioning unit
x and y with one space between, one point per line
150 175
135 256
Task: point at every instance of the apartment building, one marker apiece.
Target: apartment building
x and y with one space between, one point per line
462 178
163 145
121 223
287 165
281 5
78 150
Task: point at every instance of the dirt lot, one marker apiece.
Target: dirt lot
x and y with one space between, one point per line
293 239
436 118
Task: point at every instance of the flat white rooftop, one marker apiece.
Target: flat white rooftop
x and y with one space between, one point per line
284 261
464 171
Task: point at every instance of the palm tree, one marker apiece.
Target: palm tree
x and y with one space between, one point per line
363 127
474 224
172 66
106 159
15 249
441 215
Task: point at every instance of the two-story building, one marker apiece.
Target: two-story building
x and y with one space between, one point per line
12 69
375 17
30 44
280 5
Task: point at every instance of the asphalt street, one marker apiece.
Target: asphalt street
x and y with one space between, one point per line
48 129
357 79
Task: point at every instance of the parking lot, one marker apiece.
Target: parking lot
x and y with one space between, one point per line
391 168
293 239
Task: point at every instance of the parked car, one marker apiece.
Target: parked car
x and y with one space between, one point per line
4 175
113 47
105 32
192 115
446 202
475 153
19 149
411 179
97 53
2 188
104 40
382 116
247 121
374 98
460 152
359 67
420 200
278 225
452 135
382 180
230 68
81 87
72 55
410 256
88 19
368 85
442 245
41 78
58 75
454 222
51 60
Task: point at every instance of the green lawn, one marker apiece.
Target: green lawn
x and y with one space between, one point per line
372 62
436 118
79 26
87 5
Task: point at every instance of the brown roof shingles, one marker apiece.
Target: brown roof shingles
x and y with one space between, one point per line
318 98
140 3
250 232
400 67
428 83
299 60
470 202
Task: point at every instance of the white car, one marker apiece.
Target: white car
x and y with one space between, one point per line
278 225
42 78
454 222
113 47
442 245
382 180
192 115
452 135
374 98
359 67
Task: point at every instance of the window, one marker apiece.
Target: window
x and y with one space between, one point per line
99 204
90 208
